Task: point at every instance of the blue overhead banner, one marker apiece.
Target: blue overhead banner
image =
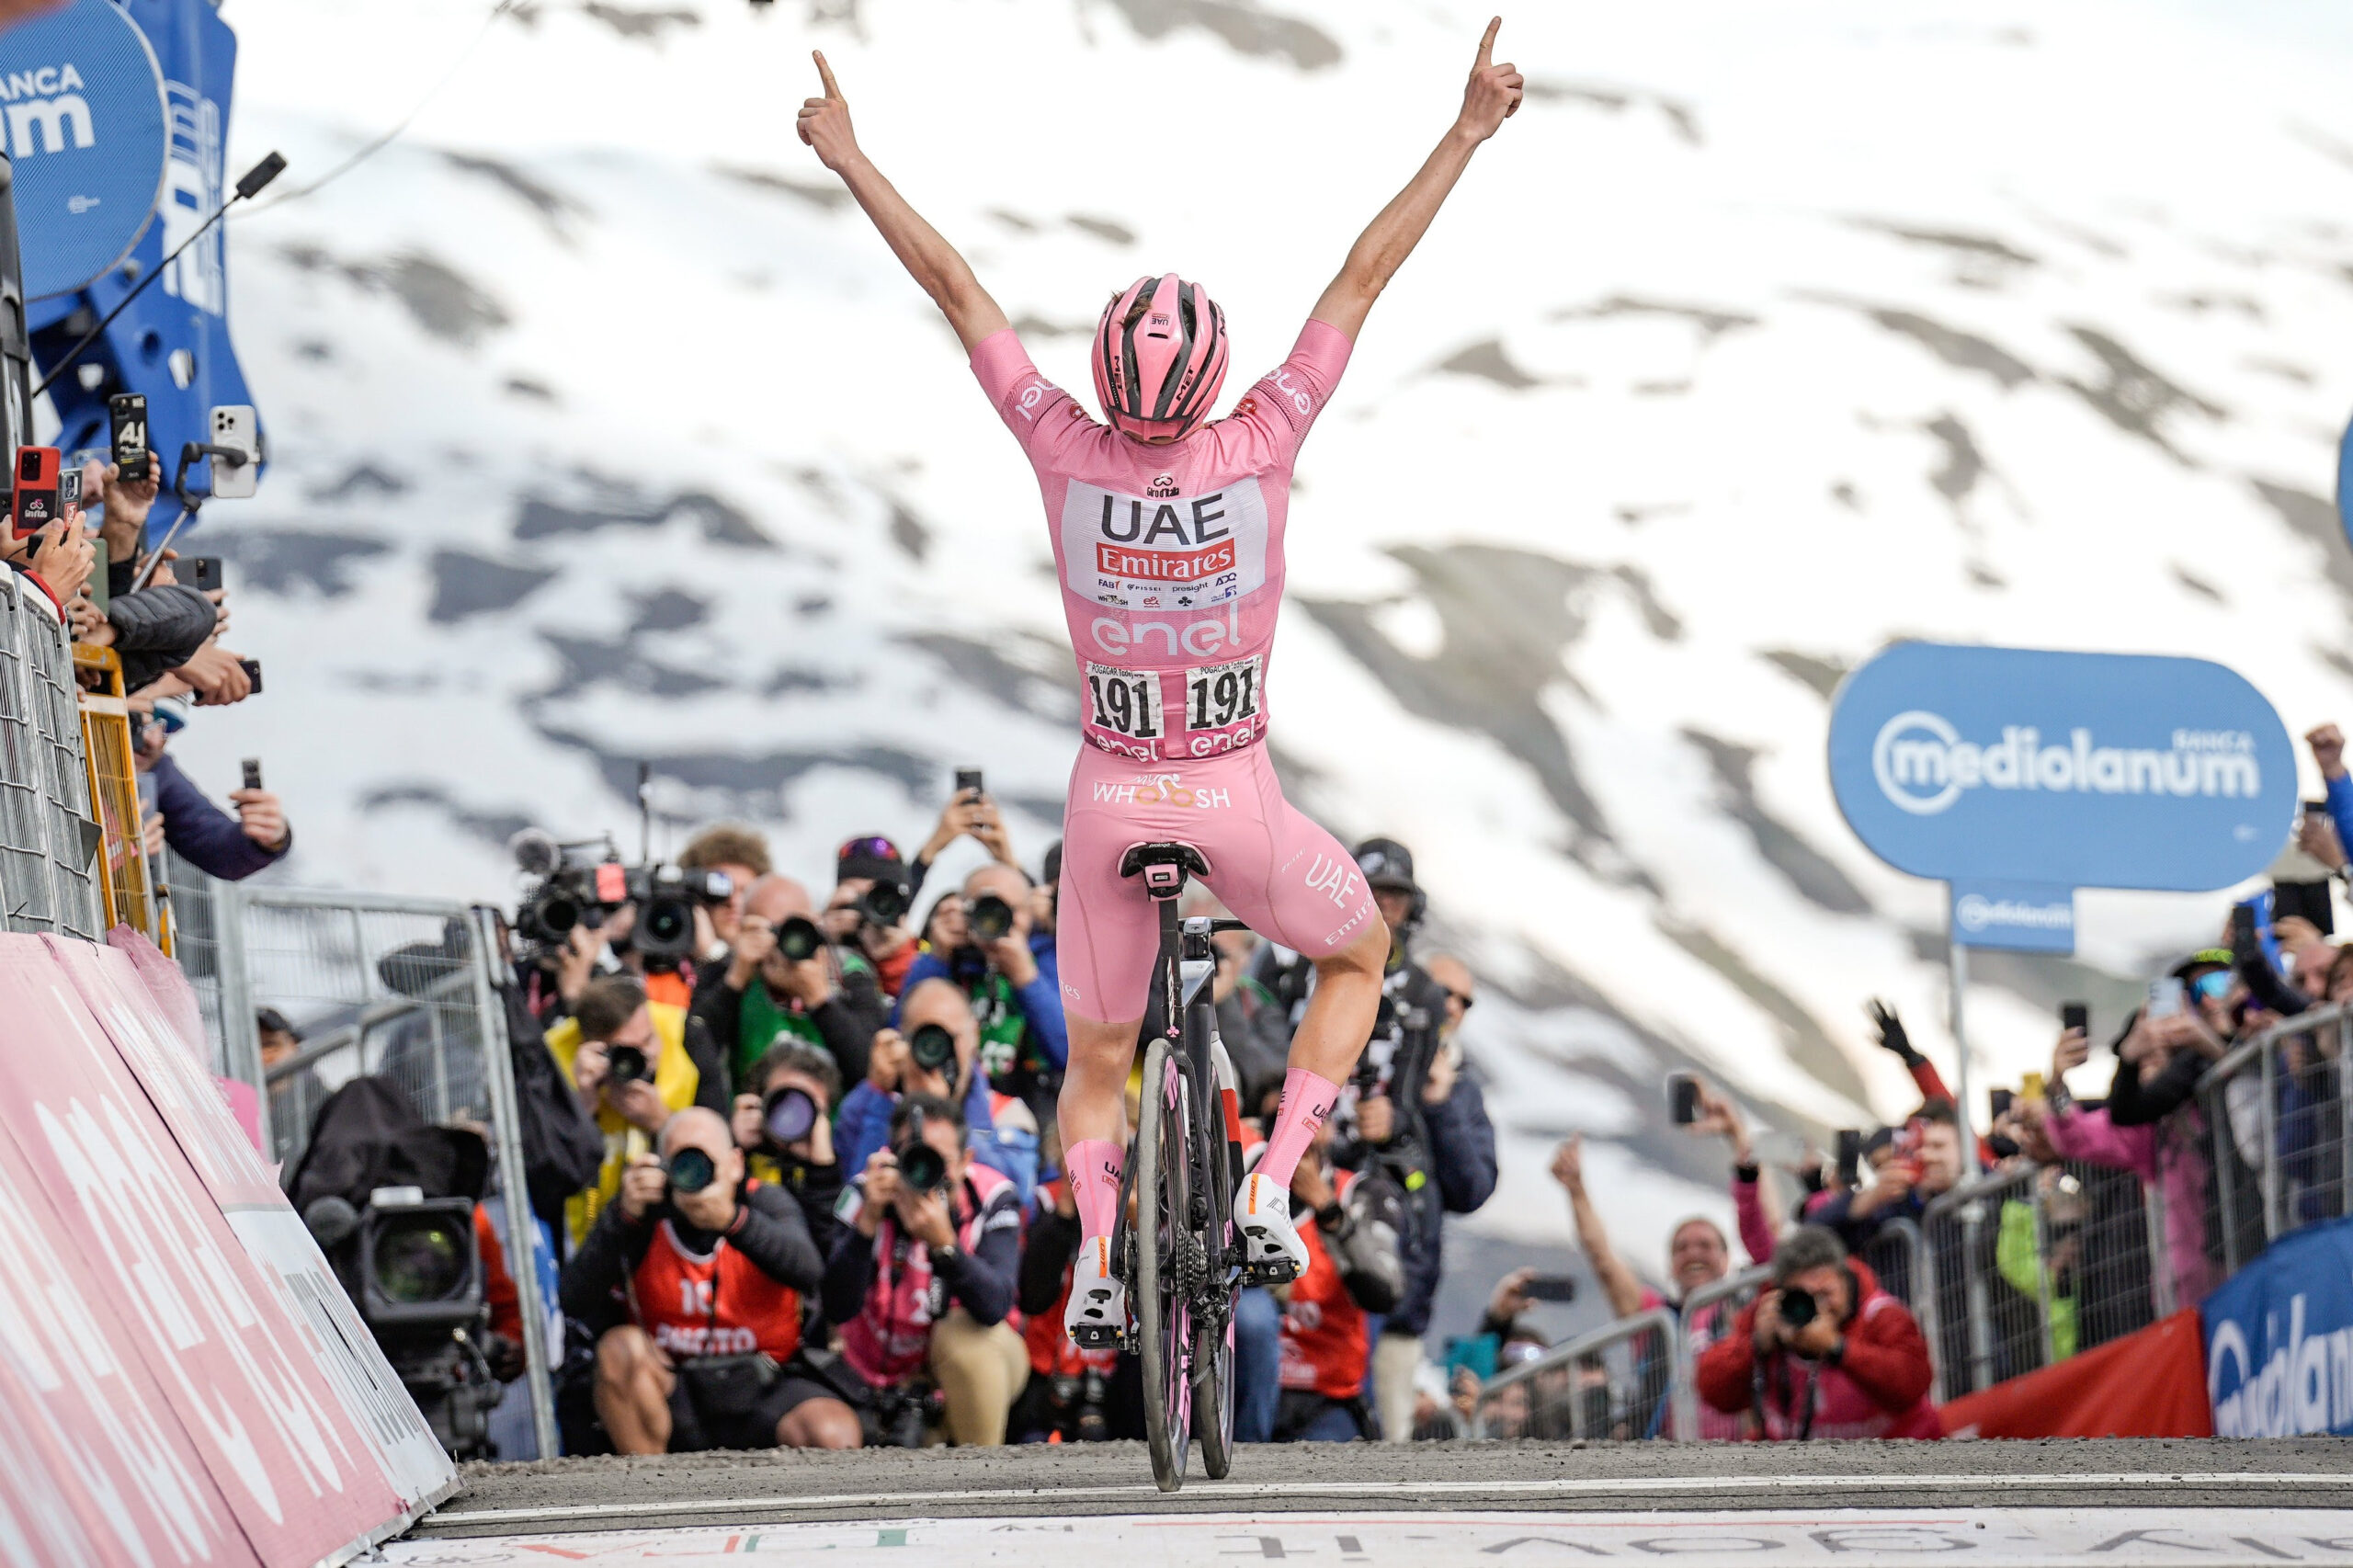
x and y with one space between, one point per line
2071 770
81 118
2019 918
172 344
2280 1339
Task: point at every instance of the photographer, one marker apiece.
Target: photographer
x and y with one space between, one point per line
742 855
1011 982
923 1275
1925 1163
783 979
932 1052
784 1125
631 1067
200 833
866 916
709 1270
1824 1353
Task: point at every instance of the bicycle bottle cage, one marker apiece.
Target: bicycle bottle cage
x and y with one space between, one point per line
1163 867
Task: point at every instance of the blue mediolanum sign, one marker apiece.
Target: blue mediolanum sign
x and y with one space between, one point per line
2280 1339
2071 770
83 116
2019 918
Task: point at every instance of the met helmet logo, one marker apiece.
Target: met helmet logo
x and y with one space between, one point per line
1923 766
45 113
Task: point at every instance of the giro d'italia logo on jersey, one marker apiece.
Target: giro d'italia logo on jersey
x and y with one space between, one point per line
1164 555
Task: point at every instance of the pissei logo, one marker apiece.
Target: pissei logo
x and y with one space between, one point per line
1923 764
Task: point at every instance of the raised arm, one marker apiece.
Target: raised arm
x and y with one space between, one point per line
1617 1281
931 260
1492 98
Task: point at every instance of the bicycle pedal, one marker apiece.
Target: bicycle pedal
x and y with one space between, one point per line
1098 1337
1274 1272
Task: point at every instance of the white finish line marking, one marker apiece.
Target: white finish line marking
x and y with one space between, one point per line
1997 1537
1242 1491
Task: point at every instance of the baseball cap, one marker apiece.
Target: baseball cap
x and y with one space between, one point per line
873 857
1051 872
1386 864
2205 958
270 1020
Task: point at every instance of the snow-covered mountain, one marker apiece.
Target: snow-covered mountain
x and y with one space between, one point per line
606 429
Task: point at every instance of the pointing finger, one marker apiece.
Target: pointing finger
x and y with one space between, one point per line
1486 45
825 74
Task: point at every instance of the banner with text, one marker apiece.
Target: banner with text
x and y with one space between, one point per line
2280 1339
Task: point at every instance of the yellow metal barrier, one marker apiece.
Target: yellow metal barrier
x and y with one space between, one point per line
125 873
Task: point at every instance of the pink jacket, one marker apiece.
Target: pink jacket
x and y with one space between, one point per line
2166 1157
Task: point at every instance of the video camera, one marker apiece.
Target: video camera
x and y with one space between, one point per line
578 886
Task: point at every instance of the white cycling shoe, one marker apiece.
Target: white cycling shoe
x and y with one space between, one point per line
1271 1249
1096 1316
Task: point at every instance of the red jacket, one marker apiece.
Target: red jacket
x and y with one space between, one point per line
1878 1389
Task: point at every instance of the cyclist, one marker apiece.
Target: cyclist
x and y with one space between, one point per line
1167 530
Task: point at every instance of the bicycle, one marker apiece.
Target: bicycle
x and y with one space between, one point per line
1182 1259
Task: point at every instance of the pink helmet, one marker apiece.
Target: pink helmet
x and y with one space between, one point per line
1160 355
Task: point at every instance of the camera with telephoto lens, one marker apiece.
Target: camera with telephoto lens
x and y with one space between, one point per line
922 1169
666 898
582 881
690 1171
421 1293
883 904
788 1115
626 1064
1078 1406
990 917
933 1048
901 1413
1798 1308
798 939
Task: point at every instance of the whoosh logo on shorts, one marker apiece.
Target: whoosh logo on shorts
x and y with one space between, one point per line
1165 789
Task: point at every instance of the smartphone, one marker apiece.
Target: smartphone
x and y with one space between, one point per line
252 773
1552 1287
2316 808
2001 1099
235 427
33 505
69 493
201 573
968 781
2166 998
1682 1098
1850 1155
2030 1086
2075 1015
252 672
127 413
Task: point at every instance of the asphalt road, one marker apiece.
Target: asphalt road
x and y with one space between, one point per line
1103 1479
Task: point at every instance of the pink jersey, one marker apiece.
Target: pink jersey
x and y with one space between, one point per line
1171 558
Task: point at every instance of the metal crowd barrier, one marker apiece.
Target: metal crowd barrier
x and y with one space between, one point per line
1615 1382
50 838
1706 1317
2273 1126
400 987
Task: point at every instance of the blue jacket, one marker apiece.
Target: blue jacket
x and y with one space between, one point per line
864 1124
1039 1002
203 834
2340 809
1461 1143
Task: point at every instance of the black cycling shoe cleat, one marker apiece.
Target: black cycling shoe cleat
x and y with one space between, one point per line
1274 1272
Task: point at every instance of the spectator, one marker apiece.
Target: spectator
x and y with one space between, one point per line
969 813
1350 1223
562 1147
1073 1394
1457 1147
1893 1039
200 833
1851 1365
762 994
2160 1059
801 1161
742 854
892 1071
707 1273
1011 982
613 1015
925 1277
1924 1164
294 1096
851 922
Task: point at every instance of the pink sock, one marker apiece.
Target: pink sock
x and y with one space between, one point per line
1307 1100
1093 1165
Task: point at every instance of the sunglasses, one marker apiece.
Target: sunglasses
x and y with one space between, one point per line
2211 987
1464 997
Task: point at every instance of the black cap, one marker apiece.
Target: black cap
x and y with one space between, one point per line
270 1020
1386 864
872 856
1051 872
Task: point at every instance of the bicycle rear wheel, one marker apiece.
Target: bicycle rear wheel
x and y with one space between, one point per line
1164 1303
1215 1173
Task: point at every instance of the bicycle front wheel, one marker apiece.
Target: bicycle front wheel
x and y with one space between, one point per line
1164 1305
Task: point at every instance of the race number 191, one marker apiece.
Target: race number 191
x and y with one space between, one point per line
1126 701
1219 695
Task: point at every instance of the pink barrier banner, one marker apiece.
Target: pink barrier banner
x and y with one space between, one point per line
133 1157
121 985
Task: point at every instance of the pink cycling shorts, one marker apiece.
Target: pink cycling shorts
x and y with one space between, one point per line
1286 877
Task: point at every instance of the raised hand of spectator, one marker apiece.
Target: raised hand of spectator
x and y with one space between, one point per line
152 832
924 1215
63 558
590 1067
1718 1118
1891 1187
2072 1050
1375 1120
1568 1163
2327 743
1437 1084
2316 837
957 818
217 676
989 828
1511 1297
1890 1032
127 506
642 1184
262 817
582 946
